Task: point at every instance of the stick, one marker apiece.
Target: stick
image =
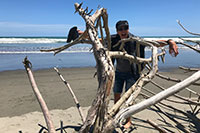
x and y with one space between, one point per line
189 69
153 124
27 65
73 95
178 21
172 79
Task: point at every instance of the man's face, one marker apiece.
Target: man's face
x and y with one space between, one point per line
123 31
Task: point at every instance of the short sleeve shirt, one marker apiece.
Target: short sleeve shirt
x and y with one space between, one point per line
124 65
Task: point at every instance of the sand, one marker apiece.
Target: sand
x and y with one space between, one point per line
20 110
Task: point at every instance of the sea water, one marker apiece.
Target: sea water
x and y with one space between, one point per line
14 49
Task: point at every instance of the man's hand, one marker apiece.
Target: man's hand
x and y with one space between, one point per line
173 48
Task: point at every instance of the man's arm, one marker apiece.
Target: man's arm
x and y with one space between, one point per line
173 48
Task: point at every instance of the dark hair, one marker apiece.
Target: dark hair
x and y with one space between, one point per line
73 34
121 23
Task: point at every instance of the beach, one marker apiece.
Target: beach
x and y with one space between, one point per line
20 110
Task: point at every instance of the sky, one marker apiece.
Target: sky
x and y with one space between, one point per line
56 17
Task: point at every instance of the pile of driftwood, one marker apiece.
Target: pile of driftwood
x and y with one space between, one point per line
99 117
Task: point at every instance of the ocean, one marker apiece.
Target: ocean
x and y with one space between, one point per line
14 49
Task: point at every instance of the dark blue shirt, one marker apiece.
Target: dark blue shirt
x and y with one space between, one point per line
124 65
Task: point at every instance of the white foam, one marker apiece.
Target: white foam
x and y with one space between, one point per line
63 40
31 40
175 39
38 52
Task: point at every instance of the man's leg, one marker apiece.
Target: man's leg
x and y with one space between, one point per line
129 82
118 86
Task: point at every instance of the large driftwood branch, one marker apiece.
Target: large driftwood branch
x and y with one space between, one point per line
38 95
98 118
105 73
157 98
98 46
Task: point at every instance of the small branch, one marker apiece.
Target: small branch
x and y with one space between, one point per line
153 124
172 79
193 41
179 126
138 40
190 46
167 99
175 109
189 69
38 95
178 21
79 40
176 95
73 95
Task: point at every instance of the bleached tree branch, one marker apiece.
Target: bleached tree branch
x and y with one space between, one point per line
178 21
45 110
157 98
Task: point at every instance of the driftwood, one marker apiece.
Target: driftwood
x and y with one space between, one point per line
156 126
41 101
72 93
186 29
99 118
158 97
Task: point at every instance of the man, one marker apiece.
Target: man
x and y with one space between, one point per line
127 73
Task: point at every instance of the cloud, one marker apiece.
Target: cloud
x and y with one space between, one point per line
21 29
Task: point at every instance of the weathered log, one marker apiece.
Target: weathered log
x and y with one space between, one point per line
105 73
46 113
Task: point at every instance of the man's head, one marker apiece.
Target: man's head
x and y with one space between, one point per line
122 28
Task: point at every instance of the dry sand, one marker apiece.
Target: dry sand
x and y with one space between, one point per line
20 110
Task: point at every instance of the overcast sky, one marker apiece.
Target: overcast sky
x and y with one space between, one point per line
55 17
